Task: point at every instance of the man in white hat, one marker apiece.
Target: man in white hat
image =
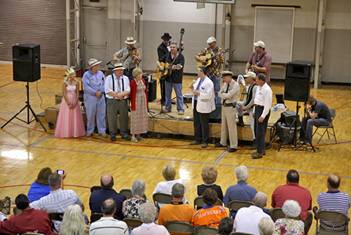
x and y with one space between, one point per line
129 56
94 99
215 67
247 105
230 92
117 91
260 61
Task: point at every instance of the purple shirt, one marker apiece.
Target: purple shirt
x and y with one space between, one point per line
263 60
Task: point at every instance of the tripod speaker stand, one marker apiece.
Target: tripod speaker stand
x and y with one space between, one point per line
29 109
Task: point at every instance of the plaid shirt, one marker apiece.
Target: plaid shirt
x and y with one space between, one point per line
215 68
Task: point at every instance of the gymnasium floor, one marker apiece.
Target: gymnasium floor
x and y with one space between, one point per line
26 149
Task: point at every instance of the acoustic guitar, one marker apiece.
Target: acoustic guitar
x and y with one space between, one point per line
207 59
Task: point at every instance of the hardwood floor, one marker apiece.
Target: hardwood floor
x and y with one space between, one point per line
25 149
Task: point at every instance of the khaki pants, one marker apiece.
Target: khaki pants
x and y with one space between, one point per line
228 127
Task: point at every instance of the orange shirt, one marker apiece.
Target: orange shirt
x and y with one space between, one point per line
210 217
170 212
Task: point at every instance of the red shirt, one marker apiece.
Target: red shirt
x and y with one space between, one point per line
30 220
133 91
293 191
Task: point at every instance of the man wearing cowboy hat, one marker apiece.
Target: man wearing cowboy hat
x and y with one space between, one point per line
215 68
128 56
260 61
94 100
162 52
247 105
229 94
117 91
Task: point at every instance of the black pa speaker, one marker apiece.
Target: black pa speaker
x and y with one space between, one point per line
26 62
297 81
151 86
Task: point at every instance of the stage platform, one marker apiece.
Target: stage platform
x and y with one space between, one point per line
174 124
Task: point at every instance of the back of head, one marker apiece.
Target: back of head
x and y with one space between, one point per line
291 209
73 221
147 212
107 181
225 226
266 226
169 173
55 181
334 182
311 100
178 190
260 199
209 174
293 176
22 201
108 207
43 176
138 188
242 173
261 77
210 197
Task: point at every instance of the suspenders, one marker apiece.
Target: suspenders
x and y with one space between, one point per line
113 83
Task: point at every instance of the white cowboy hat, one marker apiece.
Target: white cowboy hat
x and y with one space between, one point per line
92 62
260 44
130 41
250 74
118 66
227 72
211 40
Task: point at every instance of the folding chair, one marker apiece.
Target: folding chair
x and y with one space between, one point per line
329 130
203 230
235 205
179 228
277 213
161 199
199 203
126 192
331 223
95 216
132 222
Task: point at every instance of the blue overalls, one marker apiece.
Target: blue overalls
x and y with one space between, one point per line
95 107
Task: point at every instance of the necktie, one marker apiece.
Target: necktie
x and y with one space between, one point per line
226 91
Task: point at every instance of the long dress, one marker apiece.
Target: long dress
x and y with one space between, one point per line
69 121
139 117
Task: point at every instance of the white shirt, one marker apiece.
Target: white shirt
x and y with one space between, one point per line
150 229
206 99
108 226
121 85
263 98
166 186
248 218
233 93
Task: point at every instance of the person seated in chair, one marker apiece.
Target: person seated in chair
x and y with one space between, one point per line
169 174
318 114
209 176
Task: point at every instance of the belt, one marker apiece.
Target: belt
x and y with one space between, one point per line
229 104
259 106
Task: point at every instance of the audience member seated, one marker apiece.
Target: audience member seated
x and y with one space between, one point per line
108 225
131 206
266 226
148 214
40 187
248 218
293 191
211 214
290 225
225 226
73 221
333 199
97 197
29 220
177 211
58 199
241 191
169 174
209 176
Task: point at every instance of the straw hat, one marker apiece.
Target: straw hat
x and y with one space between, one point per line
130 41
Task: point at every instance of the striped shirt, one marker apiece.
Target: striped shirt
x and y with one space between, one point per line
334 201
107 226
57 201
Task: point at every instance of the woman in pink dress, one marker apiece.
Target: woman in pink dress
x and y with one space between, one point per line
70 121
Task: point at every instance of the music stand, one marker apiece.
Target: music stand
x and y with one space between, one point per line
29 109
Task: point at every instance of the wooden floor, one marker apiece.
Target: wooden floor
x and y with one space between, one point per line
25 149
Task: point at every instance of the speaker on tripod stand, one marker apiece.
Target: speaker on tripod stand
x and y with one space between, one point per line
26 68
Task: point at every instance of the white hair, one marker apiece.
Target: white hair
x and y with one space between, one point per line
242 173
291 209
147 212
138 188
266 226
73 221
260 199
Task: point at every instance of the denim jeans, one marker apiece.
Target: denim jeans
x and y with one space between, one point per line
169 86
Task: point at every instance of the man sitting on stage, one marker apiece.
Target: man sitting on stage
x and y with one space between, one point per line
260 61
162 52
318 114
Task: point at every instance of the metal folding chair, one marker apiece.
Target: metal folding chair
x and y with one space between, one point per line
329 130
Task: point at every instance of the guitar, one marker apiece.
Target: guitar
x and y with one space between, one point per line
207 59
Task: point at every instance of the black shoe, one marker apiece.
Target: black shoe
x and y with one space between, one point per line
204 145
195 142
113 138
232 150
256 155
219 145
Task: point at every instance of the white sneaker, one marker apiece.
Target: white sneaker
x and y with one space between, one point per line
135 140
181 112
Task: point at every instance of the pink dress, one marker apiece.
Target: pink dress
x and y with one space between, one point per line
69 121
